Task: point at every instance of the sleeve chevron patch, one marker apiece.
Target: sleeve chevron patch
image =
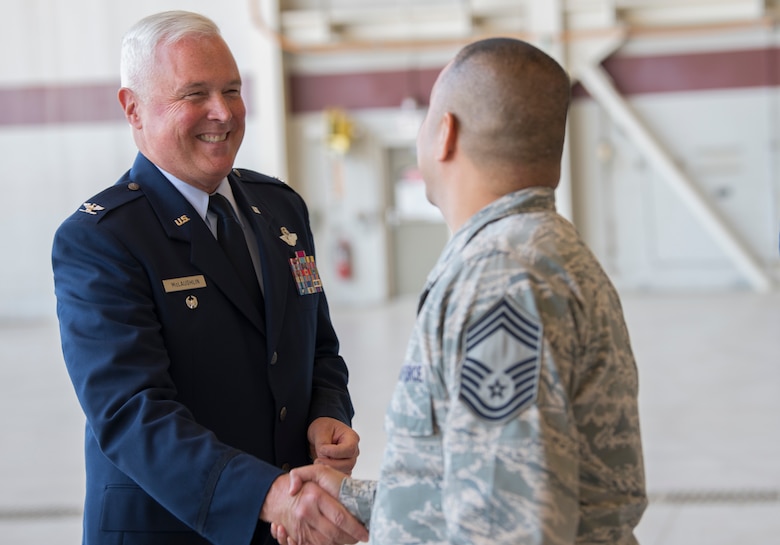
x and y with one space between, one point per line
500 374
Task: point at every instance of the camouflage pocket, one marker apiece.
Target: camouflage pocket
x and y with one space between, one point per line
410 411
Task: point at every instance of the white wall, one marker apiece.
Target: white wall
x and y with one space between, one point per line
48 170
643 233
724 140
348 197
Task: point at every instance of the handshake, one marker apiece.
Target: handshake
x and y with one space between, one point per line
303 506
308 511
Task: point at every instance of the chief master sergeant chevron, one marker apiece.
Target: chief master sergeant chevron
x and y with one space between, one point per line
515 418
202 380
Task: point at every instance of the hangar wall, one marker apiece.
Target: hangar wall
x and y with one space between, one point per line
710 97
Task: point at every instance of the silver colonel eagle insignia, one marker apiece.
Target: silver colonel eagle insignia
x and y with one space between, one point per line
91 208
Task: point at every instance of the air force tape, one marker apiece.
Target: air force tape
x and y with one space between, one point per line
500 375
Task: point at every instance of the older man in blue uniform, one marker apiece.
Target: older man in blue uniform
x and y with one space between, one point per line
200 388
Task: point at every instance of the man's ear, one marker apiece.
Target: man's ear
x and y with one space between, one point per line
447 138
129 102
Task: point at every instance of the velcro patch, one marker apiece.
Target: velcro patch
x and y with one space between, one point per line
500 376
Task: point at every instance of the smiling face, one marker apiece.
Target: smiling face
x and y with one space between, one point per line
190 121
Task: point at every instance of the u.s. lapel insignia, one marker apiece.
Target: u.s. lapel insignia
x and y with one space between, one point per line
91 208
305 272
181 220
290 238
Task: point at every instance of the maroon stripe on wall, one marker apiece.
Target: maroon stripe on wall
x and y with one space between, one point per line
633 76
692 72
362 90
64 104
60 104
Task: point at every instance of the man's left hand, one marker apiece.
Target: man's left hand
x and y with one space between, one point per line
334 444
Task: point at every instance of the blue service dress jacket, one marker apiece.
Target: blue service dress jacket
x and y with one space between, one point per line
195 398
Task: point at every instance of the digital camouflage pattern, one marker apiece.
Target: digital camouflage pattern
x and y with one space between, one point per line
515 419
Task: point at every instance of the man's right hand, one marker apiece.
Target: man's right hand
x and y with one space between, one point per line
310 515
326 477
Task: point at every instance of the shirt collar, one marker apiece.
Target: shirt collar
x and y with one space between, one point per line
198 198
532 199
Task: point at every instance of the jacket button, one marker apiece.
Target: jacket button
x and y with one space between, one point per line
285 467
283 414
274 358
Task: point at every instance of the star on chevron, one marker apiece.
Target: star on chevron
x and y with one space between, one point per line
497 389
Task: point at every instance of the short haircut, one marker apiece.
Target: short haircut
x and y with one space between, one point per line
510 100
140 43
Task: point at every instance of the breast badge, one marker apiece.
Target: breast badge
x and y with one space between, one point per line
290 238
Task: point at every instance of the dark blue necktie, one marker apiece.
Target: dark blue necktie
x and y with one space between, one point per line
231 237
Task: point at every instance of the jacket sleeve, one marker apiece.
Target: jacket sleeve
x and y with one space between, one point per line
484 446
358 497
115 355
558 466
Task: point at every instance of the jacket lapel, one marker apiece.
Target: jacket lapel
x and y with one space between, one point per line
274 260
181 222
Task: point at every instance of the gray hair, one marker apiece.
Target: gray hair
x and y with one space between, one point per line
140 43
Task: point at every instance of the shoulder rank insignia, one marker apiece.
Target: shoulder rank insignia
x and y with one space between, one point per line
290 238
305 272
500 375
91 208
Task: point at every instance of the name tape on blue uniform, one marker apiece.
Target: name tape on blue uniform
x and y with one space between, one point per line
184 283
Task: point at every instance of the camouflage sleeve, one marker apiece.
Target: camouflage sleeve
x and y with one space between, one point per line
604 402
531 455
358 497
509 442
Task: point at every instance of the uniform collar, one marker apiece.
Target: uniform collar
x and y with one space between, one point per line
532 199
198 198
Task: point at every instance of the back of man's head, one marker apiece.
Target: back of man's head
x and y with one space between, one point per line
510 100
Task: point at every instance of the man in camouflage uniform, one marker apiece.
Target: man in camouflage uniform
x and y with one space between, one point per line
514 420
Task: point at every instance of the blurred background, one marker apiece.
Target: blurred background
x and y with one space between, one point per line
671 177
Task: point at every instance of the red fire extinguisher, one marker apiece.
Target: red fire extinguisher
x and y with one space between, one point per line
344 259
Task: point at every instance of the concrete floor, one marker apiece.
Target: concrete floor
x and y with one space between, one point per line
709 399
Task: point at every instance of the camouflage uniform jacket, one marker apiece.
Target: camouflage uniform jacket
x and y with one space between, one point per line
515 419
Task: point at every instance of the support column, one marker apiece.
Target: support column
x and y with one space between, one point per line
548 23
269 89
598 84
